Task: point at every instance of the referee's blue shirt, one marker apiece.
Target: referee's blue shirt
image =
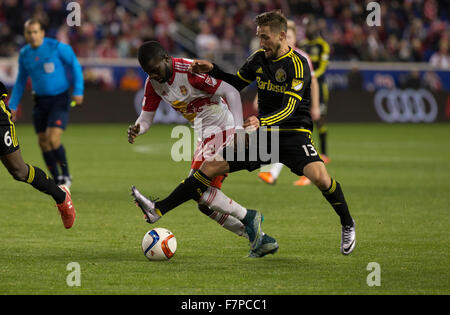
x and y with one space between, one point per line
46 67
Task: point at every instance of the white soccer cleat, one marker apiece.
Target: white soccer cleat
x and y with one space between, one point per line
147 206
348 239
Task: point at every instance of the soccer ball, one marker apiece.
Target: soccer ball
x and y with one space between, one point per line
159 244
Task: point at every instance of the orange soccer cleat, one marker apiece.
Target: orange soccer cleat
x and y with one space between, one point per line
66 209
267 177
325 159
302 181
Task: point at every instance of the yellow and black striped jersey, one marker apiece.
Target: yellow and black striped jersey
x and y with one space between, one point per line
5 114
283 89
319 53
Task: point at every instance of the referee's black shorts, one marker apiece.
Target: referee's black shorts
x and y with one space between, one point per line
294 149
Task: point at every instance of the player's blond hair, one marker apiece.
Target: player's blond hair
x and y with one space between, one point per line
291 26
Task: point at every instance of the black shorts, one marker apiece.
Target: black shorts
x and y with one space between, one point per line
8 137
294 150
51 111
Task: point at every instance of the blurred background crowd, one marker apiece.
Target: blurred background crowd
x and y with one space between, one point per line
410 31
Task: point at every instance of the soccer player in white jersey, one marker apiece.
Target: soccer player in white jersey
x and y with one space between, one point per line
214 108
269 173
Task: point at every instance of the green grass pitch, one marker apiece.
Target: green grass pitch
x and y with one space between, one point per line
396 179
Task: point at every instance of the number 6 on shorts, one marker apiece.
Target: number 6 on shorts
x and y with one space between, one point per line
7 138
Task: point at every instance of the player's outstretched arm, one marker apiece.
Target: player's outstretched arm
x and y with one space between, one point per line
141 125
205 66
200 66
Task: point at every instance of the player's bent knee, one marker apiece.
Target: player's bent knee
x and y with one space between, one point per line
54 142
44 144
318 174
323 181
323 184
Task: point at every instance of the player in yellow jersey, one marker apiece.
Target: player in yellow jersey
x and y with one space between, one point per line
319 52
269 174
20 171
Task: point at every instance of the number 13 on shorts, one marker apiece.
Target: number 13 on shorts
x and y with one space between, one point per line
309 150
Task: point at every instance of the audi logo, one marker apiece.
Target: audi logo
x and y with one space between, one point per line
406 105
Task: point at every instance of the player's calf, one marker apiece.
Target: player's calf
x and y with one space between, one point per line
19 173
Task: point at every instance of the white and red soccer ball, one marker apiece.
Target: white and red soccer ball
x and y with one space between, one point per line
159 244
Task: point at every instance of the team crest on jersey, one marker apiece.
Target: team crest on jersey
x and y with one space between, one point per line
211 81
280 75
183 90
297 85
259 70
314 51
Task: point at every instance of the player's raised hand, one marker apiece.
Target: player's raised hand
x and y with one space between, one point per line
133 132
200 66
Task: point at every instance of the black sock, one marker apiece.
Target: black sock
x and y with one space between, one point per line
50 161
39 180
323 140
60 155
192 187
335 197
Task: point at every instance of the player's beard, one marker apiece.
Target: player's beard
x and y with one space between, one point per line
168 73
273 52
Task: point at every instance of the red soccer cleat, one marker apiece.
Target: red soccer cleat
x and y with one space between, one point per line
66 209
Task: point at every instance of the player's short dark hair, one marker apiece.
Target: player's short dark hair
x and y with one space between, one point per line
34 21
150 50
274 19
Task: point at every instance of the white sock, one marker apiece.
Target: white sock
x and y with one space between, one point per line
230 223
276 170
216 200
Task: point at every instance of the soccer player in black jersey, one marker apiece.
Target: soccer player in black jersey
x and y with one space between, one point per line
319 52
12 159
283 80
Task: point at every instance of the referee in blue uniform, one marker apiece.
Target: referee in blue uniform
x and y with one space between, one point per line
45 60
